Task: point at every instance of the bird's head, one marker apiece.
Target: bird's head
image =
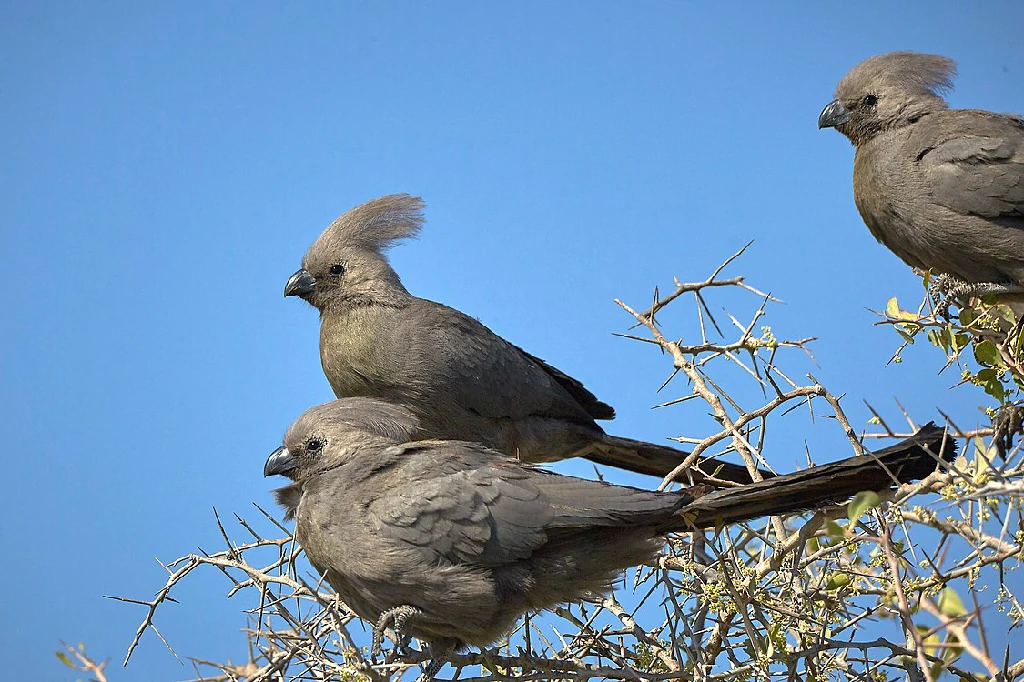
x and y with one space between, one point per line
888 91
327 435
346 264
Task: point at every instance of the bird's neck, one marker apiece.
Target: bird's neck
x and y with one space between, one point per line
390 297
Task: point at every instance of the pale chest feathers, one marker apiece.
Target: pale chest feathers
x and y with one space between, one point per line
883 188
350 352
873 192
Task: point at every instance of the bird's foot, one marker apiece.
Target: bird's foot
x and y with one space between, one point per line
1008 422
395 618
440 651
432 669
946 289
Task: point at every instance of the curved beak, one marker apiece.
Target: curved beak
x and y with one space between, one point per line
300 284
279 463
834 114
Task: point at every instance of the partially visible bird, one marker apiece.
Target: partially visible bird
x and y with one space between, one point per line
452 542
463 381
942 188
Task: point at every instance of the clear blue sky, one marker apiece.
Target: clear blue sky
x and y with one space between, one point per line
164 167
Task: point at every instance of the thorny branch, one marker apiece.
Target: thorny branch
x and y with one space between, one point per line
823 596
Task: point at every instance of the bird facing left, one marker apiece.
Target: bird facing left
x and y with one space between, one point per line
452 542
462 381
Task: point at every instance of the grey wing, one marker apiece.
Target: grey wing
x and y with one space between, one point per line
974 165
456 508
581 503
594 407
461 503
487 375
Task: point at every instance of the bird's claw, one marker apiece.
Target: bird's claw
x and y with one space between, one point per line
440 652
946 290
432 669
395 618
1008 422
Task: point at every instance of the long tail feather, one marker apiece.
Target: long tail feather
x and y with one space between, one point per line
906 461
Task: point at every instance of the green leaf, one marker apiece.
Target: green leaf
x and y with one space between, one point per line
995 388
953 649
938 339
950 603
1006 312
861 502
986 375
930 641
837 580
892 308
66 661
982 464
834 530
986 353
907 336
966 316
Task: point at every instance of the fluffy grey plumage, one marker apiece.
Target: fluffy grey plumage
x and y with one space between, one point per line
464 540
461 380
942 188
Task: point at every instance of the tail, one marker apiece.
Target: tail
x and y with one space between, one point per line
906 461
660 460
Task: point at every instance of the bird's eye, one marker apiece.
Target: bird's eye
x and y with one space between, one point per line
337 269
314 444
869 100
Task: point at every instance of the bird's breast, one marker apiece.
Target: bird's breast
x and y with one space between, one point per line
885 187
349 347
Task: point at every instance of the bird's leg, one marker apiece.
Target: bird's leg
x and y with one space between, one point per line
440 650
958 290
997 289
401 649
432 669
1008 422
945 290
396 618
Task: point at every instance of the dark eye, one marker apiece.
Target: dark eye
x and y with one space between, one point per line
869 100
337 269
314 444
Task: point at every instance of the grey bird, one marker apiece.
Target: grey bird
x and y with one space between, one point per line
942 188
452 542
462 381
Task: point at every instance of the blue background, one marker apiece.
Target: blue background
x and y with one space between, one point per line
164 168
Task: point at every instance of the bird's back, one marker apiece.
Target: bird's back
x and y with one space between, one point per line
947 193
461 379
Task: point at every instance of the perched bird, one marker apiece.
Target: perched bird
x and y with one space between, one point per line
942 188
463 381
452 542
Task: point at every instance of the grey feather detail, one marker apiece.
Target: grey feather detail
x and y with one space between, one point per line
288 497
379 223
386 420
473 539
978 166
909 71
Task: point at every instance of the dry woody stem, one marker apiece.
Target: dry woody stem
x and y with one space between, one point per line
912 586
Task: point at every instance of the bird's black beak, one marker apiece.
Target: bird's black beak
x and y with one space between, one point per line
300 284
279 463
835 114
